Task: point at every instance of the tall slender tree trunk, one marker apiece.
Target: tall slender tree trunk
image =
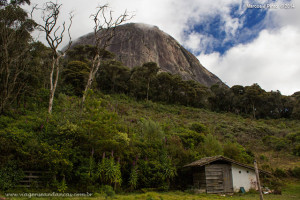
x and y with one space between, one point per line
95 67
55 66
87 86
104 23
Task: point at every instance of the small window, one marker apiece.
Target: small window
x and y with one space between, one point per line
240 172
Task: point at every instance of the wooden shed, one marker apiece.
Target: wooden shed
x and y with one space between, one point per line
219 174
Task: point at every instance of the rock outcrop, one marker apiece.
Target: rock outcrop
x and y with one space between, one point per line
135 44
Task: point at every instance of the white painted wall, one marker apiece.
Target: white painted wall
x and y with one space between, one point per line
243 177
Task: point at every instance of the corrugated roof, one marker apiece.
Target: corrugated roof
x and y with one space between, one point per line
208 160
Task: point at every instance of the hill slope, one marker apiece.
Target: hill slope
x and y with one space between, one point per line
120 132
251 134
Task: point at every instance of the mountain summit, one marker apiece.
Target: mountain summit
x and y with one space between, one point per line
136 43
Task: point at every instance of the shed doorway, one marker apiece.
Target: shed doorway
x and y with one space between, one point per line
218 178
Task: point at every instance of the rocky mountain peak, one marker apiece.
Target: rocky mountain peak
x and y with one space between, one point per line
137 43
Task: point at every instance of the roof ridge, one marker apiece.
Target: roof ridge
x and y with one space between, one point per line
208 160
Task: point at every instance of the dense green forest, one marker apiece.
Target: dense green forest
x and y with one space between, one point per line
136 128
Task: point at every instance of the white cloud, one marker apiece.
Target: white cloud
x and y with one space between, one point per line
171 16
272 61
197 42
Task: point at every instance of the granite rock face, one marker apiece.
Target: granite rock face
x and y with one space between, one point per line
135 44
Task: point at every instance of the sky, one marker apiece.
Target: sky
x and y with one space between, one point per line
241 41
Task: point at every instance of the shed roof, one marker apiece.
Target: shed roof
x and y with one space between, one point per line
208 160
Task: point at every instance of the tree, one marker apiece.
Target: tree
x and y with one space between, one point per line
195 93
141 78
83 53
40 59
238 99
163 87
104 31
75 74
221 100
113 77
272 105
288 106
150 73
137 83
254 95
15 28
296 110
54 34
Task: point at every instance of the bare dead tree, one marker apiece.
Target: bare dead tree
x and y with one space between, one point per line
54 34
104 31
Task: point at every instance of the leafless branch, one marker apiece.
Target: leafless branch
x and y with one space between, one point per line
71 15
54 34
104 31
34 7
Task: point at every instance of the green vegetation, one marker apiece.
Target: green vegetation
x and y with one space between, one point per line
137 127
291 192
128 144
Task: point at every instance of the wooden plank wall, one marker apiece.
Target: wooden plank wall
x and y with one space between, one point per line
199 179
214 178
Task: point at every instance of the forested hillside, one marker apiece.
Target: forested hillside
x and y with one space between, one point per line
130 128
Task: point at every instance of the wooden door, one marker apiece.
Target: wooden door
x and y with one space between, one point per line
218 178
227 179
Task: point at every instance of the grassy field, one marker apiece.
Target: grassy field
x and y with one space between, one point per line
290 192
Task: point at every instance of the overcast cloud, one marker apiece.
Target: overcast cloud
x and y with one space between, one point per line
270 59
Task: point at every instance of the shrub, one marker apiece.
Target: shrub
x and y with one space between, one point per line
273 183
107 190
151 131
280 173
296 150
275 142
62 187
199 128
237 152
4 121
150 197
109 171
133 178
252 191
295 172
190 138
263 157
10 176
211 146
266 167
